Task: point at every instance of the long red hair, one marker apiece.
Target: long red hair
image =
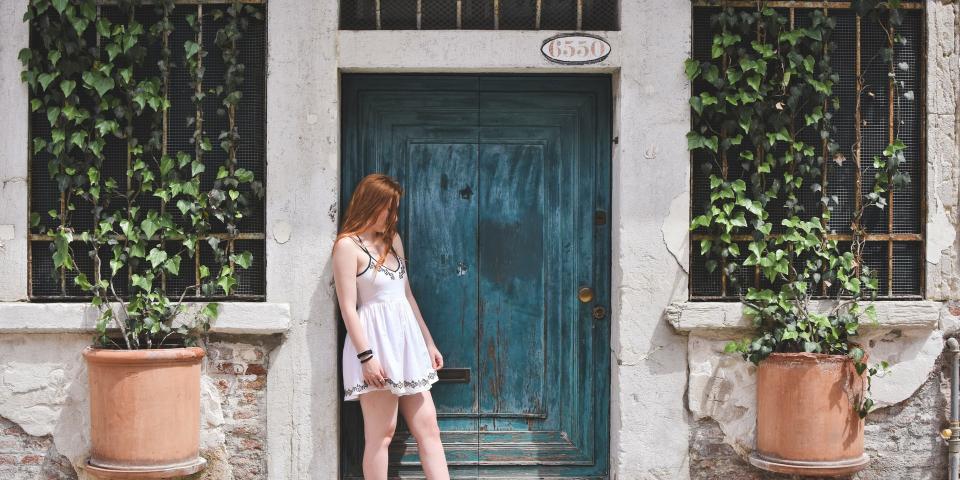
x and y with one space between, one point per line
373 193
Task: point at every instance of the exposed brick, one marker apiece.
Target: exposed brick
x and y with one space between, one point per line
244 414
224 387
9 444
259 383
241 379
229 368
29 457
245 430
252 444
248 398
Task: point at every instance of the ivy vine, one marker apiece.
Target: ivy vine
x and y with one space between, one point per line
763 127
88 75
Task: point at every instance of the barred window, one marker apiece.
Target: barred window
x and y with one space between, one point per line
46 283
894 243
479 14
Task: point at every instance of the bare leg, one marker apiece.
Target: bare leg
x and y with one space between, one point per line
379 422
421 416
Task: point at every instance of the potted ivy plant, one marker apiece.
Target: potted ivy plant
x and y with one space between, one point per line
86 76
765 91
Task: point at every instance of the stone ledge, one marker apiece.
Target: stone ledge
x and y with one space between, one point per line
702 317
255 318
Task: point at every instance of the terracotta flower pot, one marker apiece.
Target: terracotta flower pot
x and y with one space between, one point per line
144 412
807 421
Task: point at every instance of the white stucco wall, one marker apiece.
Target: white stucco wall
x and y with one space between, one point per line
652 347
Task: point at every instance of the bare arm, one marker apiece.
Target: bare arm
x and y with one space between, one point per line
345 279
398 246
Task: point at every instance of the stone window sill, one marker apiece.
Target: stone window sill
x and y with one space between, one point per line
254 318
727 317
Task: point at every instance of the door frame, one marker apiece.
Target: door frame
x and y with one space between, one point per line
349 83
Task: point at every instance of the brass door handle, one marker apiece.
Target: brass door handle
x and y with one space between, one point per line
585 294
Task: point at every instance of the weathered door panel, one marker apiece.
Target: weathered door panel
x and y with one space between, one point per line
503 177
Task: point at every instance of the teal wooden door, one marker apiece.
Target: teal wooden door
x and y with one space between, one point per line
507 183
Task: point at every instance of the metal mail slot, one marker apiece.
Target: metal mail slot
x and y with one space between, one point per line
453 375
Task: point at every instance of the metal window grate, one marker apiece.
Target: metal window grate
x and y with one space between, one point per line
49 284
479 14
894 248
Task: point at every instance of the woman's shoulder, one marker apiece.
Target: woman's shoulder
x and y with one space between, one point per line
345 244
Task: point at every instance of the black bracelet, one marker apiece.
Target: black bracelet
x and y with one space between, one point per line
366 359
364 353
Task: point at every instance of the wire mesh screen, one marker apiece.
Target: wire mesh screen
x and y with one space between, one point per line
479 14
894 249
49 284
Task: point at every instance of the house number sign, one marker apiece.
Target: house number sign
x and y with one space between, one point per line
575 49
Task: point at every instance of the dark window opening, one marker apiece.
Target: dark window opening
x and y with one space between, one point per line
894 245
50 284
479 15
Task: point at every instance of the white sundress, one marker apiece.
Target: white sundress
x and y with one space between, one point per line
392 331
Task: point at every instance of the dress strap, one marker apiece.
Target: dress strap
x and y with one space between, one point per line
360 244
373 260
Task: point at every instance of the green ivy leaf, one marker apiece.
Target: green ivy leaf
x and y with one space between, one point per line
211 310
184 206
157 257
99 82
697 104
53 113
25 55
59 5
183 159
243 175
61 255
144 282
692 68
38 145
78 138
196 168
172 265
112 51
126 227
149 227
166 165
115 266
46 79
79 24
191 48
857 354
243 260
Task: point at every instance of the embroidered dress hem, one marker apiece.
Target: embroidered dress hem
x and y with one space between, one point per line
405 387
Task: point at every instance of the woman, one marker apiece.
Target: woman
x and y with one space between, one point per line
389 360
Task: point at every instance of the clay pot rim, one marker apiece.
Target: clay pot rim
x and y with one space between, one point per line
778 357
143 356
